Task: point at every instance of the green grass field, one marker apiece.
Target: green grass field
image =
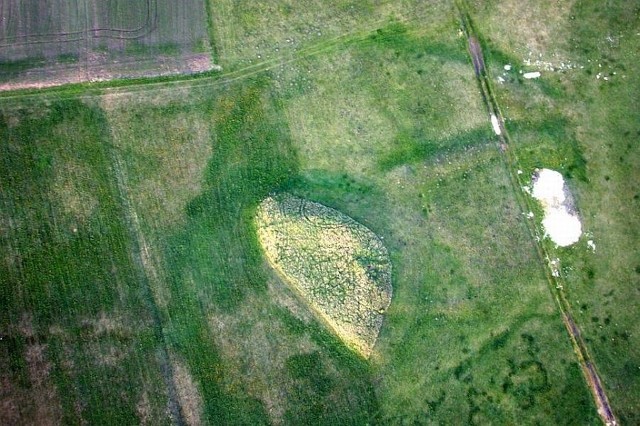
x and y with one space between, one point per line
581 122
134 288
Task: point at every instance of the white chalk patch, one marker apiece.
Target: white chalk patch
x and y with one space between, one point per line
507 67
500 80
548 188
530 75
520 172
496 125
563 227
591 245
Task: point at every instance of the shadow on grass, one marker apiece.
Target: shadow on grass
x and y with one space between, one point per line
215 260
396 36
411 148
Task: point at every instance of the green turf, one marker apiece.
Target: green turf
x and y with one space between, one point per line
67 264
584 126
132 275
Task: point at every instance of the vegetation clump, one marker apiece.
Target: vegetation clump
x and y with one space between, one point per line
337 265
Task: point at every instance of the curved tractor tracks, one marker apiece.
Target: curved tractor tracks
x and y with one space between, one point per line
87 31
555 281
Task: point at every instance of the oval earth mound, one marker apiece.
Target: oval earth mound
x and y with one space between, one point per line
338 266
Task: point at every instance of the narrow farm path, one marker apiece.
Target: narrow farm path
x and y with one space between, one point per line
554 280
145 275
215 78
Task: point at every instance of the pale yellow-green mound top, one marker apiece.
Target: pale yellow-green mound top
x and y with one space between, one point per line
338 266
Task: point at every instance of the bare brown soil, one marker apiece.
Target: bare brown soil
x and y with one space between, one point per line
44 44
102 70
39 403
188 394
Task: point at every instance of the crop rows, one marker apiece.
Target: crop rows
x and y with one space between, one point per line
36 25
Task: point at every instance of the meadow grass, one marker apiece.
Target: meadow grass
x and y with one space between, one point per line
246 34
423 172
212 278
163 291
69 287
581 121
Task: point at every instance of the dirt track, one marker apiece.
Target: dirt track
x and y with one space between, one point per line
102 70
555 282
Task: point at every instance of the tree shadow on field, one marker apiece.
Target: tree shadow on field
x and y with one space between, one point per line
413 147
402 40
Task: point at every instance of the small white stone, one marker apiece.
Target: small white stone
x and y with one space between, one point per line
530 75
507 67
496 125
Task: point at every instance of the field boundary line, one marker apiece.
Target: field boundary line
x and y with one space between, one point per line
211 31
209 78
554 279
